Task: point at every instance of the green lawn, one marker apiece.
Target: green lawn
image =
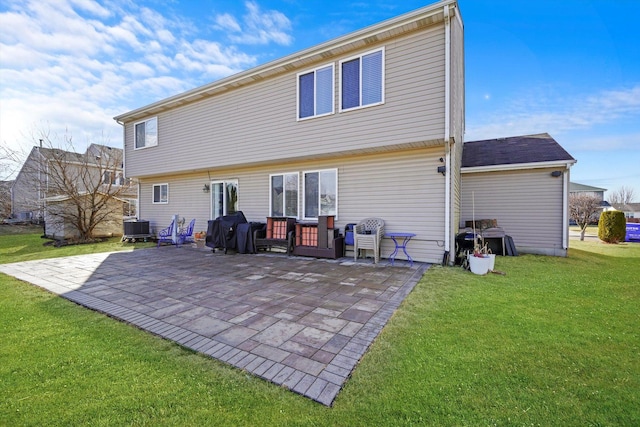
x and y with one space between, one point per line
556 341
24 243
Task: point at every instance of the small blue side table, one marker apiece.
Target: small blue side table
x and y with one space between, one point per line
406 238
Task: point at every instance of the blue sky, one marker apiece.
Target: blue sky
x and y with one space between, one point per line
570 68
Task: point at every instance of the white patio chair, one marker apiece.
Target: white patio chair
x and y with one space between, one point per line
368 235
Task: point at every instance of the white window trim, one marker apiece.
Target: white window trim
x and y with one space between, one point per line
383 77
333 92
304 189
284 174
153 190
135 135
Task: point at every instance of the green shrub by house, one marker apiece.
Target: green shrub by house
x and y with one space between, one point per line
612 226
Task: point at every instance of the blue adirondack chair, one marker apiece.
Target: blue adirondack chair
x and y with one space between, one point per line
186 235
166 234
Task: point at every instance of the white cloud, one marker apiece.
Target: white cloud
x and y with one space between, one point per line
259 27
557 113
74 64
228 22
93 7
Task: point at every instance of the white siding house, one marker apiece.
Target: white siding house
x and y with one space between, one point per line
523 183
357 126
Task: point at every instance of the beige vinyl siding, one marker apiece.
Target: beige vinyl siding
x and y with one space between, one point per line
457 80
257 123
403 188
526 203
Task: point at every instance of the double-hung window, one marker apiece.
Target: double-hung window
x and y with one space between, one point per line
320 193
362 80
315 92
160 193
146 133
283 194
108 177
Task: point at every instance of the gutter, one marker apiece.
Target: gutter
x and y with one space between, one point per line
565 205
447 131
519 166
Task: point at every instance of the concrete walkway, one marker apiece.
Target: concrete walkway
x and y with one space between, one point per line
298 322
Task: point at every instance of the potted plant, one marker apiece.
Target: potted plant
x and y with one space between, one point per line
199 237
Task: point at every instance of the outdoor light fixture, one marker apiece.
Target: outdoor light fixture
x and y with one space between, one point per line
556 174
205 189
442 170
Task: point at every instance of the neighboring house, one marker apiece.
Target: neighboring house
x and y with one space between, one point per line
369 124
49 176
588 190
523 183
631 210
575 188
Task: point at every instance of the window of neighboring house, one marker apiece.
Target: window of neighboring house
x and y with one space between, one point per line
130 208
320 193
107 177
224 198
362 80
146 133
315 92
120 179
283 194
160 193
111 177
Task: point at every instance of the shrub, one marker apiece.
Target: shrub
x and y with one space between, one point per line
612 226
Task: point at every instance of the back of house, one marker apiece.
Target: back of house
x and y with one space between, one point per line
370 124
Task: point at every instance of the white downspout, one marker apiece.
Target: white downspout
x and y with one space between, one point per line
565 213
447 104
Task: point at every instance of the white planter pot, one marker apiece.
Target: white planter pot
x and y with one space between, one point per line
479 265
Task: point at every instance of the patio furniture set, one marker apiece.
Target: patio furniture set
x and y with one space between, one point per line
318 239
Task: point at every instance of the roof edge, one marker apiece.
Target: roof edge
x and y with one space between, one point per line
519 166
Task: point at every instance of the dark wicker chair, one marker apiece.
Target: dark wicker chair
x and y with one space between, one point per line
279 232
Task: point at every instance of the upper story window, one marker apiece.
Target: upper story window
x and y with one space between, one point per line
320 193
284 194
160 193
362 80
315 92
146 133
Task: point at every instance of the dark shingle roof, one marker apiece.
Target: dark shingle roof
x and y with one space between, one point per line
513 150
628 207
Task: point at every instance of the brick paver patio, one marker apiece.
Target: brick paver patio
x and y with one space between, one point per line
298 322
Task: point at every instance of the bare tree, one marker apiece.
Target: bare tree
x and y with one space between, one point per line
623 195
10 161
582 209
70 189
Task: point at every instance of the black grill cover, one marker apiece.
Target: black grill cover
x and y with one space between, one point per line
221 232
